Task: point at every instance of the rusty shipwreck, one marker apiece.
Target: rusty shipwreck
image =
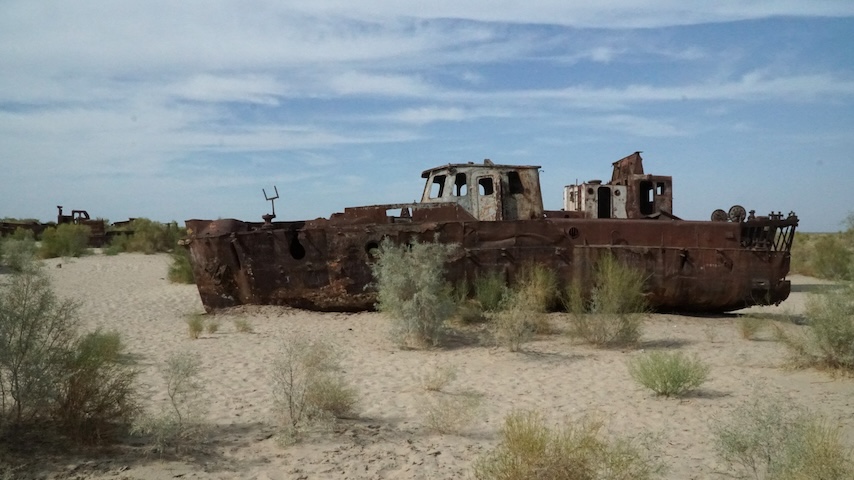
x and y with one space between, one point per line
495 214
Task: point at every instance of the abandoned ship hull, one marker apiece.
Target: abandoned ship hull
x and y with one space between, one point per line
325 264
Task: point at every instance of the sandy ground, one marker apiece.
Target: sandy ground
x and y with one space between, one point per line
388 439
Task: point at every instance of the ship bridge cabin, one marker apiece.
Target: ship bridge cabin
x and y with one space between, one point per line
487 191
629 194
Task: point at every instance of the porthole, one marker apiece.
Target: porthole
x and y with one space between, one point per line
573 232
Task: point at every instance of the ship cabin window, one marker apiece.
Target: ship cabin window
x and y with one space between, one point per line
461 185
438 187
659 189
485 186
647 198
514 182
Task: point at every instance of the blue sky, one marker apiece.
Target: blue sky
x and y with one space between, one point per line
177 110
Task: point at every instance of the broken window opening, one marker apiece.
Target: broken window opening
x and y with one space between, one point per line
647 198
659 189
604 202
485 186
438 187
461 185
514 183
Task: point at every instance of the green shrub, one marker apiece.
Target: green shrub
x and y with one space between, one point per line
18 251
489 291
37 338
181 270
152 237
51 377
412 290
97 396
66 240
612 314
308 386
117 245
179 425
771 440
668 374
832 258
573 451
829 340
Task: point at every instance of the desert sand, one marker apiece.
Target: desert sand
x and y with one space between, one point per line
129 293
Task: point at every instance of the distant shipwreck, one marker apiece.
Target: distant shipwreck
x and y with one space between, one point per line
495 214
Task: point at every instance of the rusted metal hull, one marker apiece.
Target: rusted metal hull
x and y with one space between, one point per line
325 264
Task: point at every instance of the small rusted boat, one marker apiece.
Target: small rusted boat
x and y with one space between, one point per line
495 214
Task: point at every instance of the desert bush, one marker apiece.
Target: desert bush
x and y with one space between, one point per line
18 251
181 270
212 326
97 396
412 290
180 424
668 374
37 337
829 338
538 284
66 240
308 386
489 291
749 326
450 413
48 374
242 325
572 451
832 258
613 313
516 322
150 237
435 377
770 439
195 325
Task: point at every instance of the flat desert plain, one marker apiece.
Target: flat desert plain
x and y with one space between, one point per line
389 437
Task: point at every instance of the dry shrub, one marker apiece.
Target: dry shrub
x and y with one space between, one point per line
97 397
309 388
242 325
572 451
668 374
538 283
829 338
447 413
412 290
51 377
179 425
436 377
517 321
212 326
18 251
181 269
613 313
195 325
771 439
38 334
749 326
